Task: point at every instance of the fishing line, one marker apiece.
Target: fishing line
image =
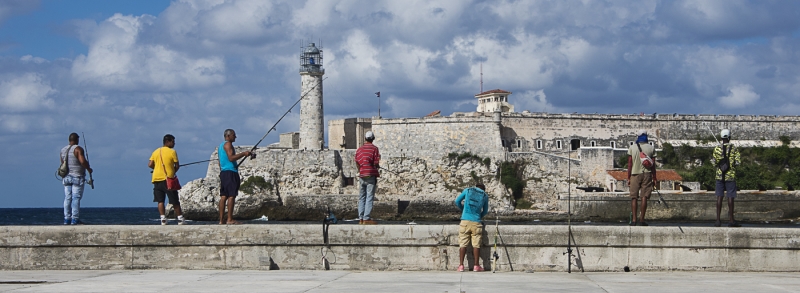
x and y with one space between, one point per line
279 120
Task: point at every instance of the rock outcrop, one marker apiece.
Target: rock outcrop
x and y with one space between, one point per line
307 183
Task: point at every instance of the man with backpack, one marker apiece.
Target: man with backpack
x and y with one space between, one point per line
727 157
641 175
73 179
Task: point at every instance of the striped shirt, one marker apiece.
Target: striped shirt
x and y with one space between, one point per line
367 158
734 157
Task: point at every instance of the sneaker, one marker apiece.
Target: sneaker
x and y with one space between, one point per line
369 222
734 224
477 269
461 268
163 221
67 221
181 221
717 224
643 224
76 222
360 222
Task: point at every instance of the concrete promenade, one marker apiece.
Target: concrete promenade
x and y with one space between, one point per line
390 281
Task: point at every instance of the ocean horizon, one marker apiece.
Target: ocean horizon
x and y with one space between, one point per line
90 216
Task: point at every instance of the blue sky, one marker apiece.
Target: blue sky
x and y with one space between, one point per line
127 72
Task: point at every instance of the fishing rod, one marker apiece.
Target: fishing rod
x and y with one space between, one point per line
279 120
198 162
390 171
86 151
712 133
192 163
569 213
660 198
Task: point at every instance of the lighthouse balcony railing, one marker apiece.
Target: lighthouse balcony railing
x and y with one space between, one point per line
312 69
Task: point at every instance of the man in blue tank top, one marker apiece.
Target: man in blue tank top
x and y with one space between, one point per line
229 176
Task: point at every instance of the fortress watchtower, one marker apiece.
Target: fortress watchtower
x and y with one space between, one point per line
311 112
494 100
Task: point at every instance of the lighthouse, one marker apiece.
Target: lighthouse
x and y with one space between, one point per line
311 113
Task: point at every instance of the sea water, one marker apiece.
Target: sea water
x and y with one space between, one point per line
90 216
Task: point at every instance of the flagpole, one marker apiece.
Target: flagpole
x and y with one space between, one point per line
379 103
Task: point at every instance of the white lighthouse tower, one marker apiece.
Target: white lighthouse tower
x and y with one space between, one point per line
311 113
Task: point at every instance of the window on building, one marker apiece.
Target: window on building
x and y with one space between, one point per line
519 143
558 144
593 144
630 143
613 144
575 144
504 142
650 142
539 144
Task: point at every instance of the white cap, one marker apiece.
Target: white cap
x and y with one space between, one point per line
725 133
369 135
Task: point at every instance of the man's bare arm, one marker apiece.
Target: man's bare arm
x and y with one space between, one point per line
81 159
230 152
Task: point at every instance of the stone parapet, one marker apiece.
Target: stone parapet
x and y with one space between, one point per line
396 247
751 205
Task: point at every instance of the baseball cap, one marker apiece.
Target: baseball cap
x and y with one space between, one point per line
369 135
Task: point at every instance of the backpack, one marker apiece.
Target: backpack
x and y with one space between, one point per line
63 170
724 164
647 161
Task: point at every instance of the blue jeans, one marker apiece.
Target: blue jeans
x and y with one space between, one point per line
366 196
73 191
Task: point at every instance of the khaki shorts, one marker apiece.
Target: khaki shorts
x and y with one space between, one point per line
641 185
467 230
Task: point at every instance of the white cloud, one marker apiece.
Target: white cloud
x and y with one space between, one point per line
533 100
29 58
741 95
27 92
117 60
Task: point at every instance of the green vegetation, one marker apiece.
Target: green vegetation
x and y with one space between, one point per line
510 175
523 204
254 184
469 156
761 168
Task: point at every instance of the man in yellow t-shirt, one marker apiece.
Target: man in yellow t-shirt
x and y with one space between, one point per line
164 162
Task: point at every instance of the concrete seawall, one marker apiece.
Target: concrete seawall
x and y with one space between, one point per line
395 247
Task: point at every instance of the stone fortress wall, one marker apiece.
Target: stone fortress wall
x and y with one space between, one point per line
435 137
419 170
548 132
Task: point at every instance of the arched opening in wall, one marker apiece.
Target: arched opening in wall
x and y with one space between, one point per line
558 144
519 143
575 144
593 143
630 143
613 144
539 144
